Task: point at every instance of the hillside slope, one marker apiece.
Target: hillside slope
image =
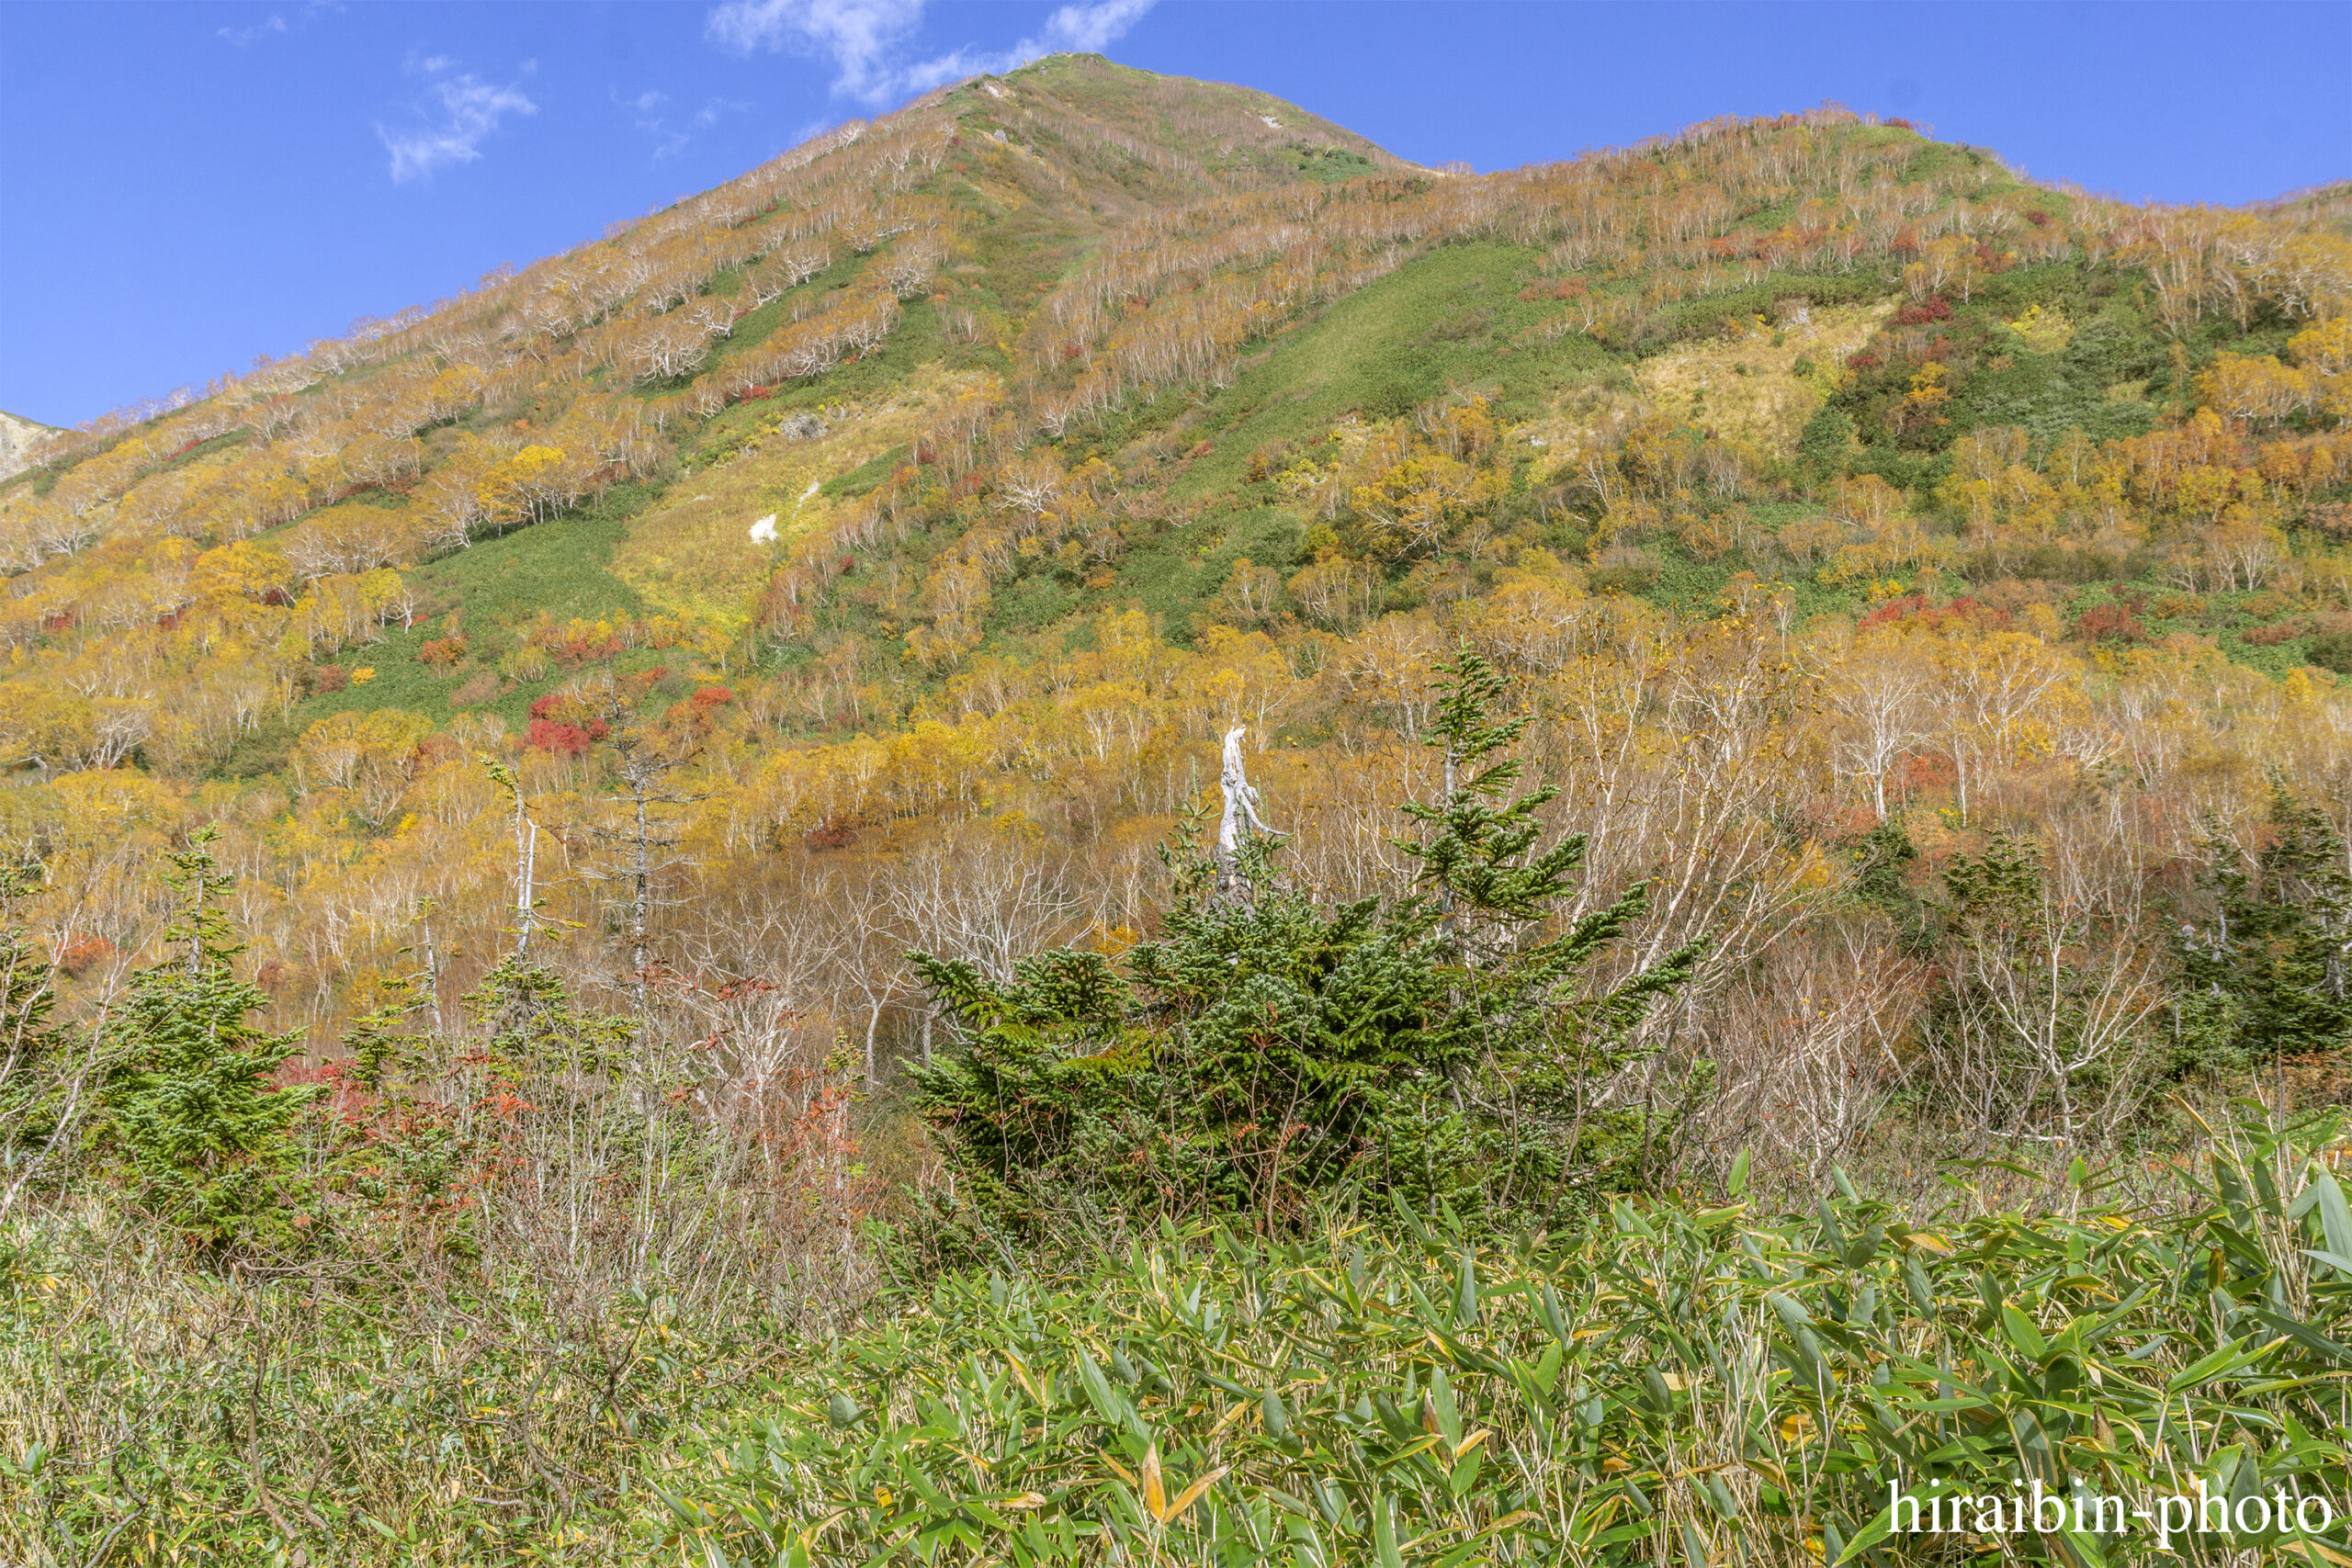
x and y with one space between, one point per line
1789 670
949 486
18 438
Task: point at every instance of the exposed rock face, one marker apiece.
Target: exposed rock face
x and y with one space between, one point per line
17 439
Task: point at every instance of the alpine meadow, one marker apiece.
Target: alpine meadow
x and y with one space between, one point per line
1091 827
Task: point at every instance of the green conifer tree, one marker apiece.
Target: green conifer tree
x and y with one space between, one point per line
1550 1048
206 1146
2264 974
1263 1051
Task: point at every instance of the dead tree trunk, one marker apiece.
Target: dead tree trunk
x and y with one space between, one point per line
1239 822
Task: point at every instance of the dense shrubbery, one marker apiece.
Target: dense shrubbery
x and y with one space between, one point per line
202 1142
1677 1383
2268 971
1543 1363
1267 1050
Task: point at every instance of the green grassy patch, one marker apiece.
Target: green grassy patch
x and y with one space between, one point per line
1330 165
559 566
500 585
867 476
1446 321
1179 575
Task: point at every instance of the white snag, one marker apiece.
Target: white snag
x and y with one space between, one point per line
1240 821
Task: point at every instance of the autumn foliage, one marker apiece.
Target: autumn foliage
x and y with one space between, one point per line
1910 609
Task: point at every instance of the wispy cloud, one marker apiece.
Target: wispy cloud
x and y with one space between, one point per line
243 36
460 114
866 39
1090 27
858 36
671 135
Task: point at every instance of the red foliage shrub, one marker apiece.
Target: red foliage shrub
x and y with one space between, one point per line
710 697
79 958
1916 609
442 653
2287 630
1893 610
571 647
1929 770
556 737
564 711
1554 288
1862 362
343 1097
829 834
329 678
2109 623
1935 309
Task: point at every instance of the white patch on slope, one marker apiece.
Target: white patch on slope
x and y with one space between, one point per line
763 531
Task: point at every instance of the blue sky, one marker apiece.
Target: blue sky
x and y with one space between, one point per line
188 185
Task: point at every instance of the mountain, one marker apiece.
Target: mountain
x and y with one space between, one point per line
981 466
619 914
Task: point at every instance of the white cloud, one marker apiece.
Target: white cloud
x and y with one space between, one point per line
857 35
862 37
1088 29
243 36
668 137
469 109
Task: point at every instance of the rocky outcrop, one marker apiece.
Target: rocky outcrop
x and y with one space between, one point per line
17 437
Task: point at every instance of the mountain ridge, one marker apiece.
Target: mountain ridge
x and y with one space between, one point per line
780 888
899 428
